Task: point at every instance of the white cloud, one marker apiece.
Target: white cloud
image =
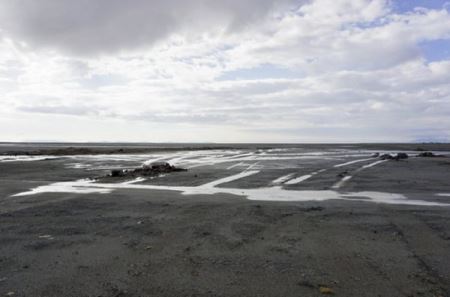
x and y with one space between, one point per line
354 71
87 26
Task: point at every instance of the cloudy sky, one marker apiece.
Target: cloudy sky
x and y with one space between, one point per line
225 70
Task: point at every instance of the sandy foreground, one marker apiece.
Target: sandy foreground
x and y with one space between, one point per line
385 231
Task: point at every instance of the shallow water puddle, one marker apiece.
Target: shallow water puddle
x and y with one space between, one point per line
352 162
299 179
283 179
274 193
345 179
10 158
192 159
342 182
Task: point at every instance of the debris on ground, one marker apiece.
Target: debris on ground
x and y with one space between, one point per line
152 169
326 290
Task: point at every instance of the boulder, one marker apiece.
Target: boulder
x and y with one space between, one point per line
160 166
117 173
386 157
401 156
426 155
147 170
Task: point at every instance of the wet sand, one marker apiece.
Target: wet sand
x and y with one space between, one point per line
149 242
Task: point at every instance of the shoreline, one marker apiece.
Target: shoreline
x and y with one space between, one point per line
66 149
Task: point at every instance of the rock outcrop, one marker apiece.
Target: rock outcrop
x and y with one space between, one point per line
427 155
147 170
399 156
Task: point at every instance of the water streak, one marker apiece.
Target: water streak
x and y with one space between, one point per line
275 193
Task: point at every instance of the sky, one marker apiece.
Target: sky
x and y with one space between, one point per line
225 70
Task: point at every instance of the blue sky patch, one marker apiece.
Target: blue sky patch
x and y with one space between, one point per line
402 6
436 50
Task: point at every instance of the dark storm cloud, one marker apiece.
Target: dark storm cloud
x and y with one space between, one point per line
93 26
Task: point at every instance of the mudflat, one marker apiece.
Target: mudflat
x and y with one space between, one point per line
241 221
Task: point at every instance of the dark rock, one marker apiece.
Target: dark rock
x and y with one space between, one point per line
147 170
156 165
117 173
386 157
427 155
401 156
376 155
157 168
